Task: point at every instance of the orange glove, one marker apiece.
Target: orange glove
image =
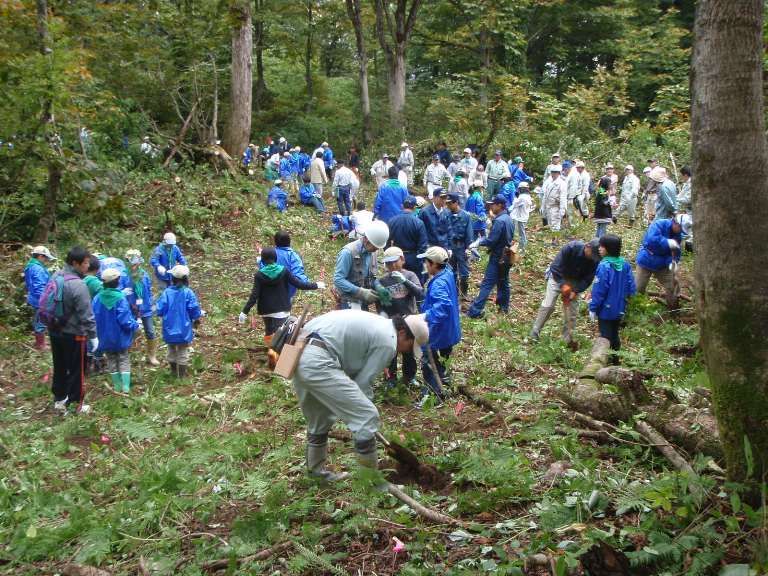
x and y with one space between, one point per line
567 292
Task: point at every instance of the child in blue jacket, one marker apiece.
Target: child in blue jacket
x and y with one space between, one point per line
115 326
139 292
166 255
179 309
309 197
614 284
277 197
36 277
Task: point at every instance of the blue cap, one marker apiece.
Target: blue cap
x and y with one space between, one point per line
498 199
497 153
409 202
439 192
435 157
453 197
567 164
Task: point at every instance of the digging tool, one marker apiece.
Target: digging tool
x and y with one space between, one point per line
399 452
433 365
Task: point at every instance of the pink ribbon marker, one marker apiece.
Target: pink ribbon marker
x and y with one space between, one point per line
459 408
399 545
238 368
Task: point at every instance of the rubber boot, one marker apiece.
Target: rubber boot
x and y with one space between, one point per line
126 379
182 370
317 457
116 381
152 353
541 318
366 454
174 369
40 341
464 284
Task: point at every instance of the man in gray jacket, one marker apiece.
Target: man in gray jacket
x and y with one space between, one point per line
345 351
69 341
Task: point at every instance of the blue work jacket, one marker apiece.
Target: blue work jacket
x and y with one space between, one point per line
178 307
389 200
611 290
501 235
36 277
437 225
476 208
167 257
441 306
114 327
654 253
460 230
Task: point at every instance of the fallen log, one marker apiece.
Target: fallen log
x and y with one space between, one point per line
662 445
421 510
477 401
223 563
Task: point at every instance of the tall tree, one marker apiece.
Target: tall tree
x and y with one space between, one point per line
308 56
239 128
47 220
394 31
353 9
260 92
728 135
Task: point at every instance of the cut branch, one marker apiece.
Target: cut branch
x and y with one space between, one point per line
421 510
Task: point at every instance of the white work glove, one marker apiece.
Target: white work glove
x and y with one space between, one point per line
673 266
474 244
94 342
321 285
450 253
242 318
592 316
127 291
139 301
203 313
397 275
161 270
367 295
673 245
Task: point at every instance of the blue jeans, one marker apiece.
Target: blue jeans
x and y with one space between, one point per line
149 327
317 203
601 230
429 376
496 276
520 225
344 200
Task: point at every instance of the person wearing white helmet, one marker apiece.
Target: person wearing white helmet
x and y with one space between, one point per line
165 256
405 161
344 352
356 267
380 169
630 189
36 277
180 310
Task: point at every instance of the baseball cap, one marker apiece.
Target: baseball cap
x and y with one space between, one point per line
523 184
43 251
385 155
169 238
409 202
467 150
498 199
567 164
440 192
518 159
435 254
452 197
179 271
497 153
278 182
110 274
133 256
435 157
392 254
555 168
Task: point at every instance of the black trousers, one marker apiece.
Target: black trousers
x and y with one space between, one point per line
69 367
272 324
609 329
409 367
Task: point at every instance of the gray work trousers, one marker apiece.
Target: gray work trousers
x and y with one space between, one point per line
327 394
665 277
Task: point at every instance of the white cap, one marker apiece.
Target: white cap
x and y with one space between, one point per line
377 233
179 271
523 184
417 323
282 138
298 148
43 251
435 254
647 170
286 154
110 274
133 256
392 254
579 164
325 144
467 150
169 238
659 174
278 181
554 168
609 165
629 167
404 145
555 155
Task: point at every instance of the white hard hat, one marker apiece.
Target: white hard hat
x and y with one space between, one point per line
658 174
43 251
417 324
377 233
404 145
523 184
298 148
169 238
179 271
467 150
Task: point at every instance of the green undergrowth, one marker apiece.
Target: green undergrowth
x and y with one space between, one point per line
181 473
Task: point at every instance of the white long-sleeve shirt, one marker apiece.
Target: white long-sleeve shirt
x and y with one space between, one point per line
435 174
630 186
573 184
555 194
522 207
478 179
380 169
406 158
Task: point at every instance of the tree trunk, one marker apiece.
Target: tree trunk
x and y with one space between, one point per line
47 221
214 132
727 129
308 58
485 65
260 92
239 129
397 87
353 10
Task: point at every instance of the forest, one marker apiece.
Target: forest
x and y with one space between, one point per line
122 121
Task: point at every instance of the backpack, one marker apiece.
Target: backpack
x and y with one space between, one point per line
51 304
